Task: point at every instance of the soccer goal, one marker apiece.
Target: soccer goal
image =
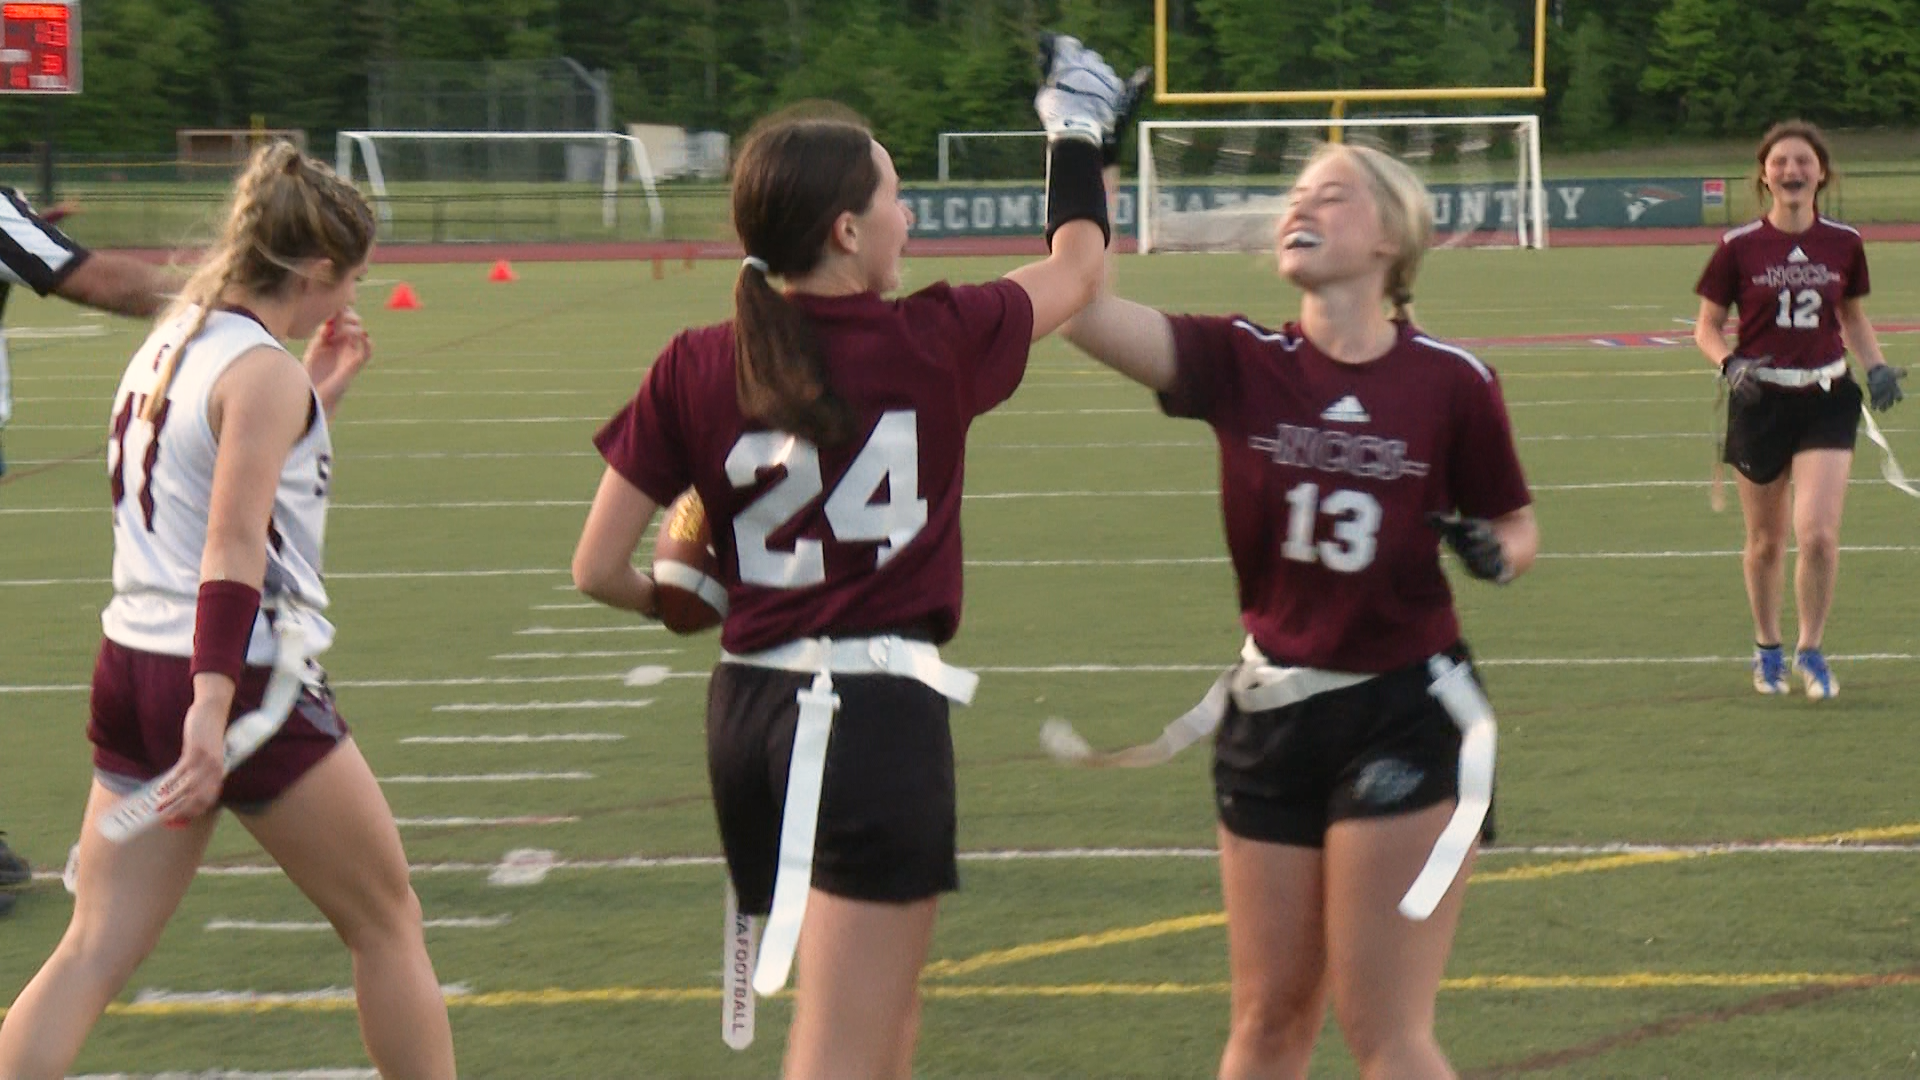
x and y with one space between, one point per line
992 155
502 163
1219 185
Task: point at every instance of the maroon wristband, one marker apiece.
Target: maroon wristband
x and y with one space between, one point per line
222 626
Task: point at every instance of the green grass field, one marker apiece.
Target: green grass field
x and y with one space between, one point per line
1097 590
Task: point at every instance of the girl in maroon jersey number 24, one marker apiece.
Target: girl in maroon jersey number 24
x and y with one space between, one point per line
824 428
1353 765
1800 282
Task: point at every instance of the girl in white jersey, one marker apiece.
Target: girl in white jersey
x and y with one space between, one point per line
219 463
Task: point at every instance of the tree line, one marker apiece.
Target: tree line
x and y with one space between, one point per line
1617 70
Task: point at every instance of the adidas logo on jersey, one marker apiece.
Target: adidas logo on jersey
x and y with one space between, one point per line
1347 410
1796 255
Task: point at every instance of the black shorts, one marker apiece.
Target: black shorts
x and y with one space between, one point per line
1763 437
887 823
1382 747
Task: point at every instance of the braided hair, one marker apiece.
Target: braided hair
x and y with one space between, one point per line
286 208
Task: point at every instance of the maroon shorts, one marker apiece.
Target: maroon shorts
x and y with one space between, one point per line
139 707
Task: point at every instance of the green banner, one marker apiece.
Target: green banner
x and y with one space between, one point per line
1610 203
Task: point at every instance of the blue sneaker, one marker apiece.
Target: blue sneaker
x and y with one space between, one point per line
1813 671
1769 669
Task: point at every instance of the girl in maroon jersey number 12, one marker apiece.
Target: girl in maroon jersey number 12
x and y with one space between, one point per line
1353 765
1799 280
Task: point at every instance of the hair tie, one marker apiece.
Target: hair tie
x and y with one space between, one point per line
755 262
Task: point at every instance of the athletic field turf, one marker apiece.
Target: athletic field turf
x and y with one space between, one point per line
1692 881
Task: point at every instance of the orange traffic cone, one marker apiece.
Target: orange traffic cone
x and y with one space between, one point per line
502 271
403 299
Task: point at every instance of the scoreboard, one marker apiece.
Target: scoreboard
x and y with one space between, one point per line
40 48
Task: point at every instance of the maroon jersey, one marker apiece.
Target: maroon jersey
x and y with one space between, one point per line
1327 473
852 540
1788 287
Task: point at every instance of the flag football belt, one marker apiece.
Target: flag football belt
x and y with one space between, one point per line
1801 378
1256 685
822 658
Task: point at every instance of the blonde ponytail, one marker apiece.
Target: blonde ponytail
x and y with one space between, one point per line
286 207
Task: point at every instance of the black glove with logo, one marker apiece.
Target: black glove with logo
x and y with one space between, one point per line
1473 540
1883 386
1739 371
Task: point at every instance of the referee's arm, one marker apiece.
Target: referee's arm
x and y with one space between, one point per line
35 254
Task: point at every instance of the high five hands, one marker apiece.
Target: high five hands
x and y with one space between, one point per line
1081 97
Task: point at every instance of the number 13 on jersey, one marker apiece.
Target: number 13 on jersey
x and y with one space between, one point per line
1356 526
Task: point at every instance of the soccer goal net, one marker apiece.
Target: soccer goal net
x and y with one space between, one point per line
449 166
992 155
1219 185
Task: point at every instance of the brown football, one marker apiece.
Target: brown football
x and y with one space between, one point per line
686 574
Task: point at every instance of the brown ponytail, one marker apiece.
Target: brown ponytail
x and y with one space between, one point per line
796 175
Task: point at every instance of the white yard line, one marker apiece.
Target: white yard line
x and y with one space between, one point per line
609 654
987 496
492 922
1036 669
627 628
1052 855
486 778
544 706
406 575
485 822
511 740
242 1075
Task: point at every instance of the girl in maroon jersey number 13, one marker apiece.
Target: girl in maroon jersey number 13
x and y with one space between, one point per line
1799 280
824 428
1353 765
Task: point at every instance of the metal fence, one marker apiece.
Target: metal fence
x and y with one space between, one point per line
155 200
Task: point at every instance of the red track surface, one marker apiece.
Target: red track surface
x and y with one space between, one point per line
393 254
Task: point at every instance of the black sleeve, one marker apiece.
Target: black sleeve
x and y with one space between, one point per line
32 252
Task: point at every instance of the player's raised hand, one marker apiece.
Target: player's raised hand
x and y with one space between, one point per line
341 347
1080 97
1474 541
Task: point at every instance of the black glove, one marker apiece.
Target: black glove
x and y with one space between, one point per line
1123 119
1883 385
1472 539
1738 371
1080 96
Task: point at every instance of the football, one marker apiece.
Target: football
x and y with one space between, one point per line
686 573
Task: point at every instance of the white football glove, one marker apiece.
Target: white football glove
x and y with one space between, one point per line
1080 97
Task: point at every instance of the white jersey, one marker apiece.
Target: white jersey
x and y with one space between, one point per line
162 479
